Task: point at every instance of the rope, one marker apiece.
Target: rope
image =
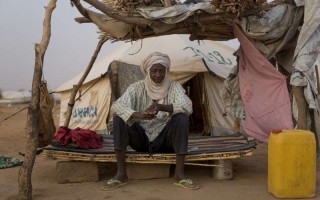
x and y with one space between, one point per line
80 95
14 114
54 110
102 76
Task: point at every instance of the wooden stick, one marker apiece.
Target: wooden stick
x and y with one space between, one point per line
76 88
142 158
82 20
317 77
141 22
302 107
237 125
32 129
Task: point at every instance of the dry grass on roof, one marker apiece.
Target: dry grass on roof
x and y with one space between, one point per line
225 6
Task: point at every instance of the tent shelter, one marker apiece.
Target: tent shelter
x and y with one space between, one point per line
200 66
15 97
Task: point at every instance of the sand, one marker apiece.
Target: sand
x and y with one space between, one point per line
249 182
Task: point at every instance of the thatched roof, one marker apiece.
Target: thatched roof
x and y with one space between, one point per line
121 19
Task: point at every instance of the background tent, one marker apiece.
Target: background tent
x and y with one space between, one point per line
15 97
200 65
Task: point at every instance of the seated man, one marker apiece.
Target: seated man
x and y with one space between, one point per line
152 116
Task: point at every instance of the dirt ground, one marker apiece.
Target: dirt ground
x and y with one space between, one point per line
249 182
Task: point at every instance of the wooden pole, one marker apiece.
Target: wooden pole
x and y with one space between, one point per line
32 129
302 107
237 125
317 77
315 118
76 88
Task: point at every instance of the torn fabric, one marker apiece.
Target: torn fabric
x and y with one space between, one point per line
263 90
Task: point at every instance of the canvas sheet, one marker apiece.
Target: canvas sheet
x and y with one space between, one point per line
263 90
187 57
91 111
221 125
176 13
271 32
306 54
231 96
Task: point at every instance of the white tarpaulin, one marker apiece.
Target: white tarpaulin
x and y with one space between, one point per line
14 97
220 123
186 56
90 111
306 54
176 13
272 31
187 59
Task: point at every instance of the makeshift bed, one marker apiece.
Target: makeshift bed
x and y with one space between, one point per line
201 149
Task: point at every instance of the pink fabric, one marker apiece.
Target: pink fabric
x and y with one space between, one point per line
82 138
263 90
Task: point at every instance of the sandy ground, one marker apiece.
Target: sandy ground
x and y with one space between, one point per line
249 183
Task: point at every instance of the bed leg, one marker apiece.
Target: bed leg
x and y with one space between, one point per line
224 170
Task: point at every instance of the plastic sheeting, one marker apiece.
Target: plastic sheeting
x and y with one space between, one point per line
176 13
271 32
231 96
91 111
306 54
220 124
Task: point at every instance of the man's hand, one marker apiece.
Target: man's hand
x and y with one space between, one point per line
153 109
143 115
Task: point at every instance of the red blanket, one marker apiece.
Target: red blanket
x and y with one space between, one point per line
82 138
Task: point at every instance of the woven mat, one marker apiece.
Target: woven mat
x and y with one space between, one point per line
201 150
196 145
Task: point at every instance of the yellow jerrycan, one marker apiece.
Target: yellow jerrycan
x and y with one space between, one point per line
292 164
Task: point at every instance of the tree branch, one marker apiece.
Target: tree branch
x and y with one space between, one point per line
80 8
141 22
82 20
76 88
32 127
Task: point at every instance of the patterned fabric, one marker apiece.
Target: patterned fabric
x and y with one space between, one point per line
6 162
196 145
136 99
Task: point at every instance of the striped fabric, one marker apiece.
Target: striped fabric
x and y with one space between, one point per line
197 145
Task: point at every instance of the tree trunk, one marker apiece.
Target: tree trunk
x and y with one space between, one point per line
32 129
76 88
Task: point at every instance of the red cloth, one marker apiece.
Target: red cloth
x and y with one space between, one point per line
263 90
82 138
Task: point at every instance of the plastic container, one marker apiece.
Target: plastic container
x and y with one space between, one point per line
292 164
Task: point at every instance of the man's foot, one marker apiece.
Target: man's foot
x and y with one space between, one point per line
187 184
112 184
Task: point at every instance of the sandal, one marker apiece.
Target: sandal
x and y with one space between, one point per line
187 184
112 184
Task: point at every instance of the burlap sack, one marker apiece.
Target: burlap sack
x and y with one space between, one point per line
47 128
